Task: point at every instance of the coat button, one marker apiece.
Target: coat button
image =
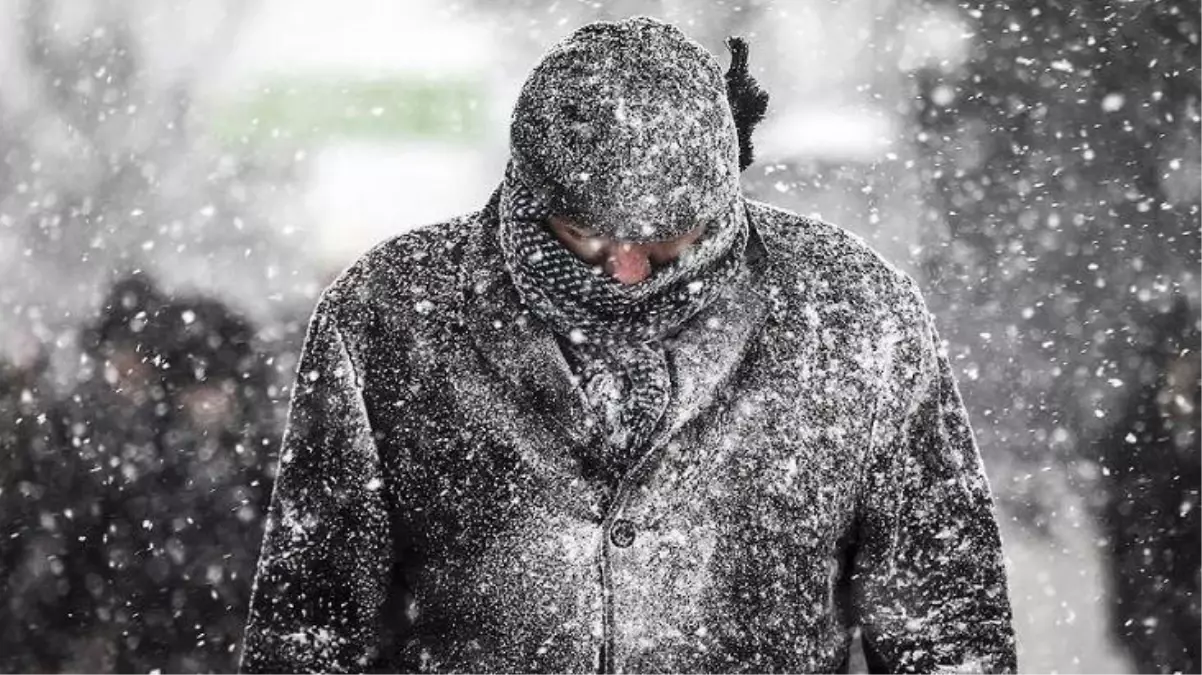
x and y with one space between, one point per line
622 533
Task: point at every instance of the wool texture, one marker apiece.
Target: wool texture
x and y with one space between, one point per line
614 332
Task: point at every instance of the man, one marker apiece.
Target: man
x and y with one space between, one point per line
624 419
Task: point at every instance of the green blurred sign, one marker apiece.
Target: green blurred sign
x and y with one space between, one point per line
419 108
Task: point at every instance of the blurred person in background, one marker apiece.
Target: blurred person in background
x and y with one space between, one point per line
154 492
1152 470
108 417
624 419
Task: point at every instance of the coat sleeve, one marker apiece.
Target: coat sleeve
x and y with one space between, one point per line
322 571
929 580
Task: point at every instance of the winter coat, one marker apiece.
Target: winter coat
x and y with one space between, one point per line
815 471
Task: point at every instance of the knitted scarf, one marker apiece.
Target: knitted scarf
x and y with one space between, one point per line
613 333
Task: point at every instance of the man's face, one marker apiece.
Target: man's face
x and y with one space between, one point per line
127 371
1178 398
209 405
627 262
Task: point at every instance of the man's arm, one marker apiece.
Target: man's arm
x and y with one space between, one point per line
327 550
929 581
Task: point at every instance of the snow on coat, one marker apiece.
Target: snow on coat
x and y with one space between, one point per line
815 471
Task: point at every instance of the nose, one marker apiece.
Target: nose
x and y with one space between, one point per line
628 263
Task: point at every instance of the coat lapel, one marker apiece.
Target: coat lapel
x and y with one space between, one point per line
706 352
521 350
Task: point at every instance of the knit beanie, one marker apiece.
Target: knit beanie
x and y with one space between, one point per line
627 128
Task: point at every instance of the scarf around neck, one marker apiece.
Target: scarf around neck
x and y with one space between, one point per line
613 333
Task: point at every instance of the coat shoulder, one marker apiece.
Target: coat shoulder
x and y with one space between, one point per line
823 261
402 274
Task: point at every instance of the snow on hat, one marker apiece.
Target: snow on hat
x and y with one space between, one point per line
626 127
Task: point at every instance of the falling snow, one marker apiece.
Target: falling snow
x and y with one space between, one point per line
957 211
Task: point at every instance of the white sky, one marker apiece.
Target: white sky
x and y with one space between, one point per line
415 36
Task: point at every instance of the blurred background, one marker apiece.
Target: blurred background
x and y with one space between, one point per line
179 179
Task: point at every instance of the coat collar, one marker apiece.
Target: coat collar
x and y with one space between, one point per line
526 358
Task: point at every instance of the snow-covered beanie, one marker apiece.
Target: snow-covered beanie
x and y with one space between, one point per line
626 127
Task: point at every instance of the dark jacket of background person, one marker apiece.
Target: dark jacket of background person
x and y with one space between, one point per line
1152 474
32 545
816 470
